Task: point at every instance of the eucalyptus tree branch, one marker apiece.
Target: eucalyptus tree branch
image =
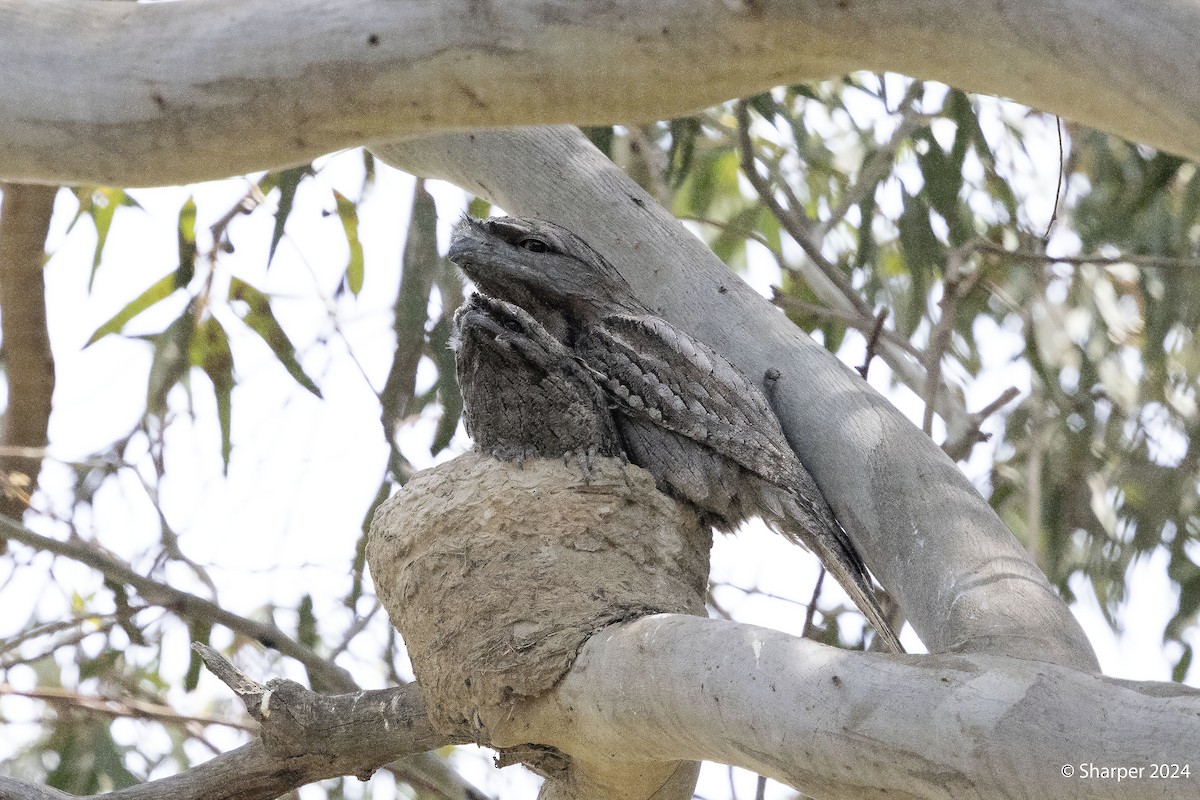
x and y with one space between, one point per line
959 446
348 72
304 737
247 762
720 691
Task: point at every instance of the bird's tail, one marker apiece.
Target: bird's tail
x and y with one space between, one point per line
817 530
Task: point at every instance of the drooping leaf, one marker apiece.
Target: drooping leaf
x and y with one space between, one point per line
210 352
171 361
187 244
254 309
447 389
684 133
347 212
287 181
601 136
306 623
410 309
450 285
368 170
100 203
89 760
1179 673
158 291
199 630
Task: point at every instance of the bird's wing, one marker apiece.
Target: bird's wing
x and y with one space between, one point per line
656 372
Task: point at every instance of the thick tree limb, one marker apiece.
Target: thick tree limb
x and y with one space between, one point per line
28 362
960 576
139 94
839 724
832 723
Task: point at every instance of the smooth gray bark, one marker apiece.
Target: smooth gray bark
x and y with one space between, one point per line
151 94
840 725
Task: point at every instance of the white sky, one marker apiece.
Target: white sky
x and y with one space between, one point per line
286 520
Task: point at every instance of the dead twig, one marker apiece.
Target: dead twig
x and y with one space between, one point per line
872 341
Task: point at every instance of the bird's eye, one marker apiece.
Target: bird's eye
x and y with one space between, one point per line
533 245
513 325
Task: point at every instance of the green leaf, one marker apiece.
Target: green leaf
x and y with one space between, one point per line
171 361
89 760
287 181
713 178
101 203
210 352
259 318
943 177
764 104
187 244
479 208
348 213
447 385
306 624
602 137
100 666
684 133
368 170
198 631
1179 673
158 291
410 309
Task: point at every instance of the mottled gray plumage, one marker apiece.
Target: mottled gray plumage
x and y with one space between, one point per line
525 395
684 413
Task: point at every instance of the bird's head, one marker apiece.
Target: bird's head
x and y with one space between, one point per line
506 330
537 264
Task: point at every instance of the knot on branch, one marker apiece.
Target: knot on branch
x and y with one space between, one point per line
496 572
353 733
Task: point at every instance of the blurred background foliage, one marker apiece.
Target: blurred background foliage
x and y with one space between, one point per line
962 238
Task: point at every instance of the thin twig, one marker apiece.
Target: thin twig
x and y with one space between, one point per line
655 160
745 233
183 603
1150 262
872 341
851 320
811 611
959 446
955 285
794 220
1058 184
116 707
